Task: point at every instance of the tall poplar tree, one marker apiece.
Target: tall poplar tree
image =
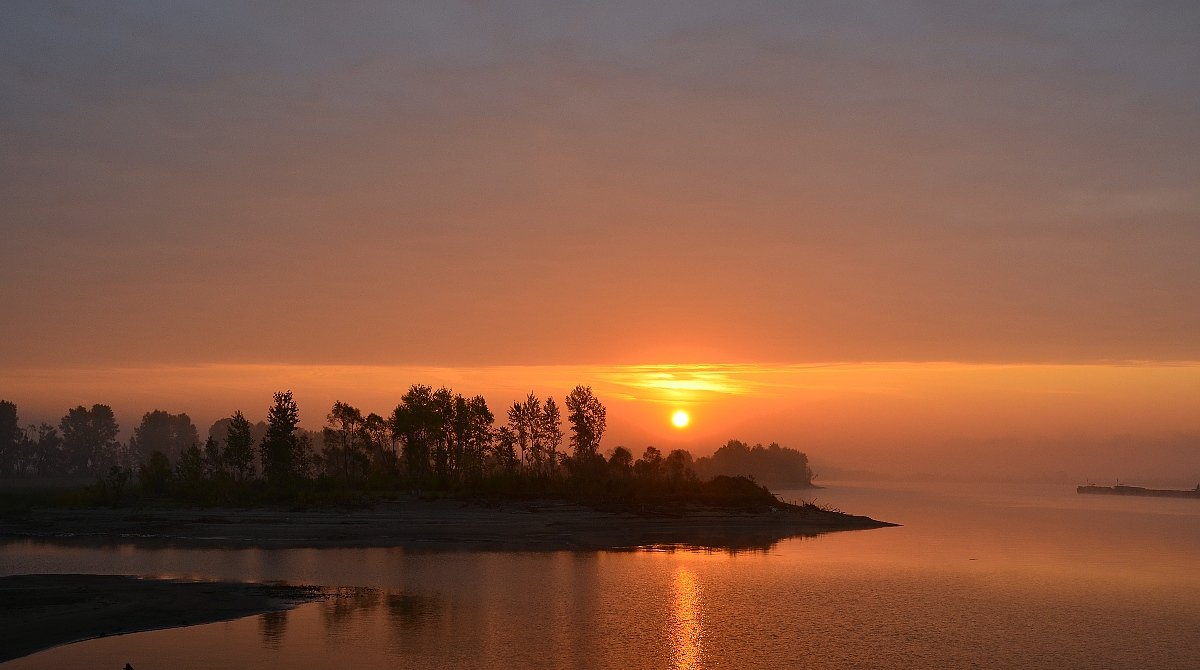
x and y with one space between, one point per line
239 448
526 420
280 447
343 436
552 434
587 417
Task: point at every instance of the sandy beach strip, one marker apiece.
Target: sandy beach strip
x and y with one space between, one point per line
44 611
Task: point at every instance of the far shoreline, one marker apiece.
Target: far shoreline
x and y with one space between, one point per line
439 524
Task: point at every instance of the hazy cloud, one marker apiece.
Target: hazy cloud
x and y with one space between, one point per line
628 182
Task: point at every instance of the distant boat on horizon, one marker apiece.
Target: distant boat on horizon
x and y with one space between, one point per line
1123 490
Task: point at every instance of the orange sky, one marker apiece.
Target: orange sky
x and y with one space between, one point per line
204 204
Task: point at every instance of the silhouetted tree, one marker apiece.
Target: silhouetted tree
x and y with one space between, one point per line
90 439
525 418
162 431
190 469
773 465
239 448
460 425
473 436
343 437
380 443
46 454
112 484
551 423
12 439
678 467
280 447
219 431
650 466
154 474
504 448
538 429
442 432
304 460
620 463
587 417
214 462
415 424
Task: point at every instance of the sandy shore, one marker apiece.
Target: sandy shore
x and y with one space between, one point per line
435 524
43 611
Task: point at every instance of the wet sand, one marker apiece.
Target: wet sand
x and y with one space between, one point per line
43 611
431 524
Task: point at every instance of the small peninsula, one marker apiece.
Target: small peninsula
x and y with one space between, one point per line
437 524
437 474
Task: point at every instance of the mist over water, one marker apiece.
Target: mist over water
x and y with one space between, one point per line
978 576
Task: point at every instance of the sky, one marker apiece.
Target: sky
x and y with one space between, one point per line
942 210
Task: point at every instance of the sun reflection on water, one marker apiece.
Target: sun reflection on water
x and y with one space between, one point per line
688 634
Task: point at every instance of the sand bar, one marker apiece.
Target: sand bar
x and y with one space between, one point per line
43 611
429 524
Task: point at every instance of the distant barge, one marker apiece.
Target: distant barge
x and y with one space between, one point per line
1122 490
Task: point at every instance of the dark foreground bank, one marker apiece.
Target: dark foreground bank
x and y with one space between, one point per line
433 524
43 611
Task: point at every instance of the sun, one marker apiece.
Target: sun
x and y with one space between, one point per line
680 419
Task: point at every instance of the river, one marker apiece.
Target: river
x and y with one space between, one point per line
980 576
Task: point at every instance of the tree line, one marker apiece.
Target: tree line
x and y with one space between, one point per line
433 439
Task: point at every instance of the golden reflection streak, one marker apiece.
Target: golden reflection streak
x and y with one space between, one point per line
688 634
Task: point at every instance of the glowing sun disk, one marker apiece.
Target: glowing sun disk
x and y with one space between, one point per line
680 418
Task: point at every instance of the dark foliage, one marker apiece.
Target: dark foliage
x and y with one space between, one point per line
170 434
282 456
436 442
89 440
12 439
773 465
155 474
588 421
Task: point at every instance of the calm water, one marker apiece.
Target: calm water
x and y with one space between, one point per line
978 577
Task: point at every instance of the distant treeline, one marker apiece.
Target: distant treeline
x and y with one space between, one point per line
433 440
773 466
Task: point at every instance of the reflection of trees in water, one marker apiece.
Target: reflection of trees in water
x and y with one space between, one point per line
412 616
410 610
346 609
271 626
345 604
